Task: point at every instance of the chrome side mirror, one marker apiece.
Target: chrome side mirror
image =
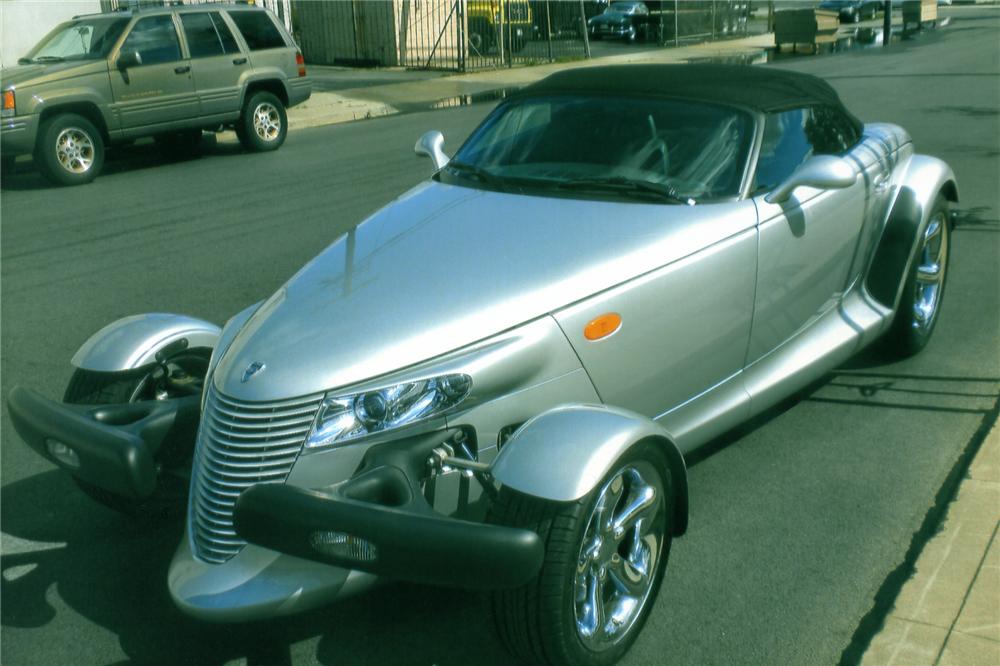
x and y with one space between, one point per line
827 172
431 144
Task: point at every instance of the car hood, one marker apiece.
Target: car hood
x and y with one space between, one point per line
20 75
445 266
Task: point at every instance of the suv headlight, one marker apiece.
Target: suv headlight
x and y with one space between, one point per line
343 418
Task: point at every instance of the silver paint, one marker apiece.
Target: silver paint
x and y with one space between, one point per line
500 286
563 453
132 342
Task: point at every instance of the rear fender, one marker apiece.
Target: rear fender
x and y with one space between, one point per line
133 342
561 455
926 177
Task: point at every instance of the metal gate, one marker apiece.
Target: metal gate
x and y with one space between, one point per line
468 35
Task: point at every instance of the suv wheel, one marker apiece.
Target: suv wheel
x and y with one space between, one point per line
263 125
70 150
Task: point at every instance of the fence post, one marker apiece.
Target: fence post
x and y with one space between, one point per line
548 29
463 38
887 23
713 21
586 37
677 18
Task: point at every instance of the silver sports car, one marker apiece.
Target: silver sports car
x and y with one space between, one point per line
491 383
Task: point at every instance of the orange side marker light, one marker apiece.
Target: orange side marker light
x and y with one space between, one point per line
603 326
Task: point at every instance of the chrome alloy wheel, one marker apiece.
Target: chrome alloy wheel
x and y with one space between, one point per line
75 150
267 121
932 257
619 556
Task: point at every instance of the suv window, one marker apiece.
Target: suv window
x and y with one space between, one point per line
154 39
207 35
258 29
791 137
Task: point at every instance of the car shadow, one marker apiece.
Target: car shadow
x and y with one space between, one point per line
112 570
124 158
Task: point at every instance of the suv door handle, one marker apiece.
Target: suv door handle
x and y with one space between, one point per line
239 61
182 70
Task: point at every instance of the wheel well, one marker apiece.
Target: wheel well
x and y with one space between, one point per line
950 191
88 110
272 86
678 478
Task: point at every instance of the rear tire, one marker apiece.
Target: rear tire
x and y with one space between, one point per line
564 615
264 124
70 150
923 292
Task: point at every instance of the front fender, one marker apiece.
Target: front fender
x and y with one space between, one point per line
132 342
926 177
562 454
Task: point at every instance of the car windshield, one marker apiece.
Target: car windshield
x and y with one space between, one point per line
621 8
638 146
81 39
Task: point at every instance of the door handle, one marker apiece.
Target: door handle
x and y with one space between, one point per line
239 61
182 70
881 184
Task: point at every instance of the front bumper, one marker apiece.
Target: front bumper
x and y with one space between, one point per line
386 527
17 135
610 30
119 447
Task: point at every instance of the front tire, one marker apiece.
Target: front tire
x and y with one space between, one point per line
605 555
89 387
920 306
264 124
70 150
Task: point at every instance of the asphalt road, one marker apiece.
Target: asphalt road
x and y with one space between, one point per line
803 524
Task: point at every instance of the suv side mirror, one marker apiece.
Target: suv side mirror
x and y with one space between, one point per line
826 172
126 60
431 144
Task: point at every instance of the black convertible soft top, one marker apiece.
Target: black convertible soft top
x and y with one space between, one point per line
761 88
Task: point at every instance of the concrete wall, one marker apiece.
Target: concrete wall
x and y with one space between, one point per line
24 22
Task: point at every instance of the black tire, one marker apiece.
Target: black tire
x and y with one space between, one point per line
70 150
88 387
263 124
482 36
920 306
180 145
540 622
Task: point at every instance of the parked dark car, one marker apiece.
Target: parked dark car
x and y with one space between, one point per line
621 20
852 11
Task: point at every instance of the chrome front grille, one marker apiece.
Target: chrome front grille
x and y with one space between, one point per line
240 444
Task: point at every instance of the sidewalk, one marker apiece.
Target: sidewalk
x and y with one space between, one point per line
948 613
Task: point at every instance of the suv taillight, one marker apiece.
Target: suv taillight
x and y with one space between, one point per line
9 108
301 62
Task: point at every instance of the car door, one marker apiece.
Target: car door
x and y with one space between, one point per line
217 63
806 243
160 89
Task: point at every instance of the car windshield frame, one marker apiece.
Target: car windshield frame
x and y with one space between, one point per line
466 169
113 27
